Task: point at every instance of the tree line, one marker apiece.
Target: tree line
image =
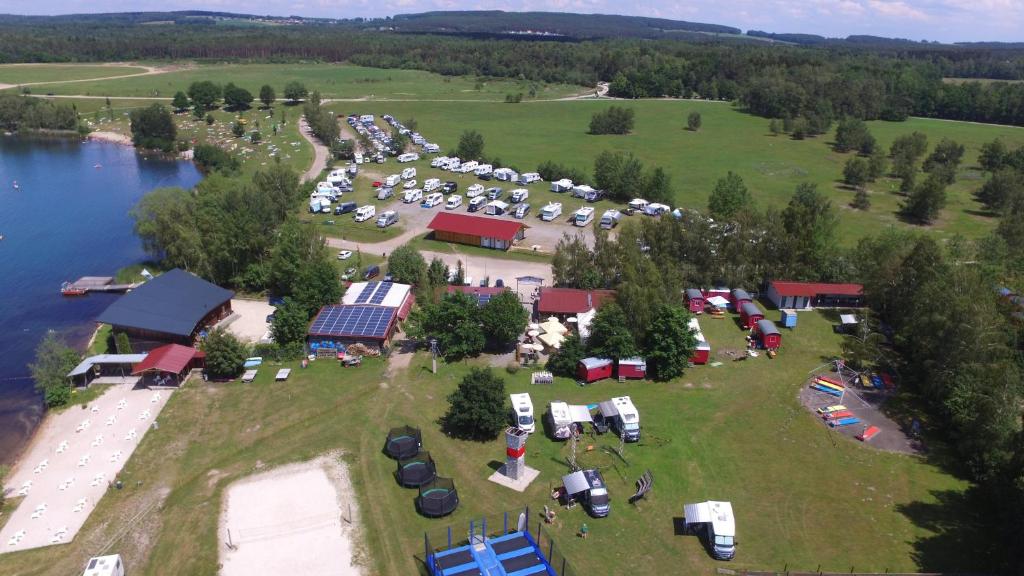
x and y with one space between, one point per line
27 113
810 83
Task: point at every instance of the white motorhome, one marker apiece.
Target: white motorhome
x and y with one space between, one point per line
476 203
358 157
583 216
638 204
438 161
316 204
431 184
411 196
431 148
364 213
387 219
496 208
522 405
392 180
451 164
454 201
529 178
715 522
655 209
551 211
483 169
520 194
432 199
506 175
610 219
409 184
326 188
366 118
563 185
409 173
623 417
561 421
467 167
111 565
338 177
474 190
408 157
581 190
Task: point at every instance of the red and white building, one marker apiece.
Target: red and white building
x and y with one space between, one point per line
810 295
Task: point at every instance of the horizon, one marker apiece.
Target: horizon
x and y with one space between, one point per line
946 21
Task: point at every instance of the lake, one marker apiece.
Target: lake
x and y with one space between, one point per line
69 217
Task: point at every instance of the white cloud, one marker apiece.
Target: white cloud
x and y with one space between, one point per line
897 9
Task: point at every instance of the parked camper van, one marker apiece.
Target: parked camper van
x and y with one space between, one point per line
431 148
467 167
409 173
438 161
655 209
560 420
610 219
496 208
483 169
385 193
111 565
392 180
714 523
409 184
563 185
431 184
522 210
637 205
408 157
520 194
522 405
315 205
476 203
529 178
411 196
387 219
364 213
474 190
589 488
583 216
493 193
432 199
452 164
622 416
506 175
454 201
551 211
358 157
345 208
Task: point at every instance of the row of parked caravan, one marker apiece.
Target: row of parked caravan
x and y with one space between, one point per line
417 138
327 192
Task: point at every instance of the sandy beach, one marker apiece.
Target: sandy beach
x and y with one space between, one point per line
113 137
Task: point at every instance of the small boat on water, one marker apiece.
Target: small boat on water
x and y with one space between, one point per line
15 185
98 166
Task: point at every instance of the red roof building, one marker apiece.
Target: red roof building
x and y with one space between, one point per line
570 301
477 230
169 364
807 295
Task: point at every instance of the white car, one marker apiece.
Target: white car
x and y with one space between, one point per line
432 199
409 185
454 201
414 195
344 255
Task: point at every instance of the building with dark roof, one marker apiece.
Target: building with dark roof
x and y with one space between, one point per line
807 295
563 302
483 294
172 308
369 314
477 230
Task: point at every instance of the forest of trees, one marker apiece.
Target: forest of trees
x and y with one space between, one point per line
889 81
22 112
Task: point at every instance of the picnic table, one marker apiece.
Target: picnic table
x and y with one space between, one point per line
282 374
249 375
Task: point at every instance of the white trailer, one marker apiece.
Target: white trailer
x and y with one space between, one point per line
551 211
438 161
529 178
392 180
111 565
431 184
408 157
561 421
496 208
581 190
563 185
474 190
638 204
483 170
523 407
715 521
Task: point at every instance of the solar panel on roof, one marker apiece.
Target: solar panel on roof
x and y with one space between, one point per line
368 321
381 293
367 292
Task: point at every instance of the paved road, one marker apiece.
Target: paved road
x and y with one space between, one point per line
320 152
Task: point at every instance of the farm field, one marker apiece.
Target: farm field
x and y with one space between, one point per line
527 134
32 73
332 80
804 497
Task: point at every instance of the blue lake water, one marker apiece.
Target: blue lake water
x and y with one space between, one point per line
69 217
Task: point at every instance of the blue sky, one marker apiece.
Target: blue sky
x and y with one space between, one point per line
943 20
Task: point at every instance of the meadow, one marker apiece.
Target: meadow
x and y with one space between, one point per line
32 73
527 134
804 497
332 80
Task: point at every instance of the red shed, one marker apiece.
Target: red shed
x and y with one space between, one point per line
633 368
738 297
750 314
768 334
594 369
695 300
703 352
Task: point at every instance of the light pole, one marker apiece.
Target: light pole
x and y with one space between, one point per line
433 355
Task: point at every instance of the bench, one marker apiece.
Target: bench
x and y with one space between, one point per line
643 486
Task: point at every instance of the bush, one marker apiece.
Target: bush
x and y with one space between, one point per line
225 354
210 158
512 367
54 359
477 407
153 128
614 120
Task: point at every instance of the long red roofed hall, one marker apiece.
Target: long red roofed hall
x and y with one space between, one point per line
805 295
570 301
169 364
477 230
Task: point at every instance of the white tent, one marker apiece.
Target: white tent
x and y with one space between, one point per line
583 320
718 301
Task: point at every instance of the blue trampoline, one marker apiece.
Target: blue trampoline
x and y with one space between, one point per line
513 554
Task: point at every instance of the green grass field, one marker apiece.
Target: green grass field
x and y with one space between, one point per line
30 73
804 497
332 80
525 135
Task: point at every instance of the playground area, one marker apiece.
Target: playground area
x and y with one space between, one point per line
851 404
75 459
297 519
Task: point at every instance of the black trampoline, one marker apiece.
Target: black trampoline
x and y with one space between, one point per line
511 545
416 471
403 442
438 497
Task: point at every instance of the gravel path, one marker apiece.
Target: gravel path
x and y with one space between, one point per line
320 152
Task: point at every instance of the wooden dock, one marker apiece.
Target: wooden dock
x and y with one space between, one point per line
87 284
